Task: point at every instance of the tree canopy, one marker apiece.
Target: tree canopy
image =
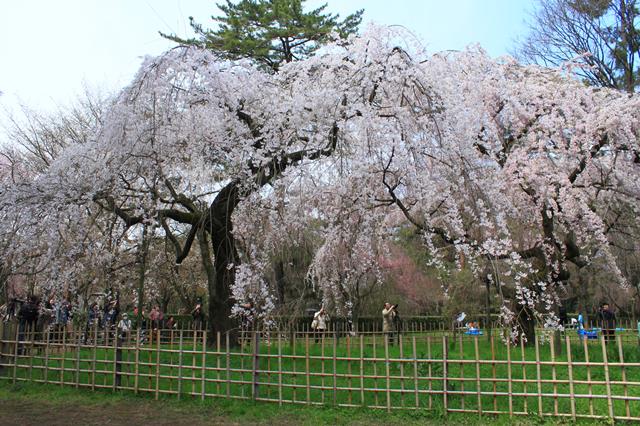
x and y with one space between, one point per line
270 32
517 171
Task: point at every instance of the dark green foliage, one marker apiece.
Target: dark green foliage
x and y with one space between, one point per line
269 32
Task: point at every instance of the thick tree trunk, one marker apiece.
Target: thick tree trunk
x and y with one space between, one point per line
4 285
487 307
220 300
279 279
220 228
526 324
142 265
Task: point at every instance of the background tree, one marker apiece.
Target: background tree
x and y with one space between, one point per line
269 32
601 36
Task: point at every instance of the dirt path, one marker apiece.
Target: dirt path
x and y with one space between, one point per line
40 413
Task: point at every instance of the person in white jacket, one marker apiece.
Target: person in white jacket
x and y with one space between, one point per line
124 326
320 323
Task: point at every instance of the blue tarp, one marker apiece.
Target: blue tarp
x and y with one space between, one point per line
591 334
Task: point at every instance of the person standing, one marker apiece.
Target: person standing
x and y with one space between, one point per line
124 327
28 319
197 315
319 324
388 318
93 318
171 323
608 321
153 317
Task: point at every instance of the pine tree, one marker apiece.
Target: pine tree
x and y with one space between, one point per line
269 32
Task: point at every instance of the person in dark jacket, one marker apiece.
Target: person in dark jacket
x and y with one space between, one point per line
28 318
198 315
28 313
608 322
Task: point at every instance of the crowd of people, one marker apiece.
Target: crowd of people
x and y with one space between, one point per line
55 314
48 315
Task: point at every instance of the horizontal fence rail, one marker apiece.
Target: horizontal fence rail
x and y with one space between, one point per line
565 376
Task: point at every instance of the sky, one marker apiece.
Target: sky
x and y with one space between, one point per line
52 49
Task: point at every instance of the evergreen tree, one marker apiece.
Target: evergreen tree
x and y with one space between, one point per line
602 36
269 32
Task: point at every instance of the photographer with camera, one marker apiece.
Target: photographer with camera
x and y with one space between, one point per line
319 324
389 313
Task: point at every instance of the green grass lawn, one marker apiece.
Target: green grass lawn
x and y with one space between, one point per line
358 376
37 404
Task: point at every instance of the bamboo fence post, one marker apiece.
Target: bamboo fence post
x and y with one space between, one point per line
322 365
445 373
150 333
350 384
572 396
136 377
31 331
493 372
171 344
586 358
46 356
193 361
387 373
15 353
268 341
157 393
375 370
256 366
2 340
554 376
114 378
306 371
400 341
478 383
335 367
203 371
218 350
180 341
228 364
103 361
606 376
461 353
279 370
509 378
429 371
362 401
624 375
415 370
294 376
523 359
253 360
64 357
538 378
77 360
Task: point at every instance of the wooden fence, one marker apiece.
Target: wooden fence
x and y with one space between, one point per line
412 324
580 378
